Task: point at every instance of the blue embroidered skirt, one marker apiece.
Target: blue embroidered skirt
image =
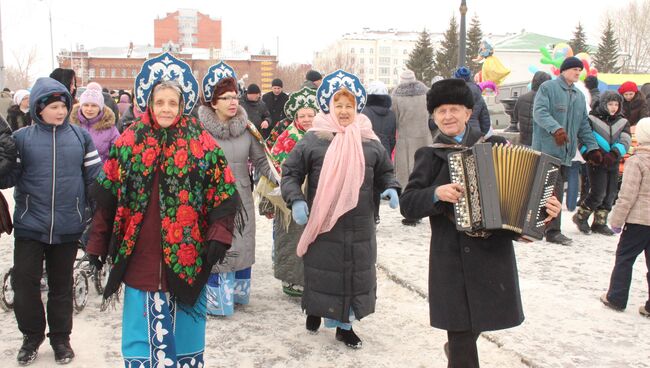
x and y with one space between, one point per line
157 331
225 289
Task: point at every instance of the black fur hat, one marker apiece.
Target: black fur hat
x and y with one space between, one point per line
449 91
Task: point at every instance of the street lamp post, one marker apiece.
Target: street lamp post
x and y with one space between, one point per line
461 45
49 8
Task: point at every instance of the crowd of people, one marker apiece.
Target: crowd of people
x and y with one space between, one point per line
162 187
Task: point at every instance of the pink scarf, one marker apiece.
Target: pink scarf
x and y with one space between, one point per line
341 176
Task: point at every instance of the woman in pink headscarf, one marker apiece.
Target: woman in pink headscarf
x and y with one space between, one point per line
342 161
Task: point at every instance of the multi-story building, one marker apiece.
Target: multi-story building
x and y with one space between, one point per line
370 54
192 36
377 55
187 28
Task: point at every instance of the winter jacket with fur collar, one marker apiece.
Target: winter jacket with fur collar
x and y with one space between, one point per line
103 131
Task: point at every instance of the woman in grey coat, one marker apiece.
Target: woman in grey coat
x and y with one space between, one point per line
410 107
228 123
343 161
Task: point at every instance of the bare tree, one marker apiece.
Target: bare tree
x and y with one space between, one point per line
20 75
632 27
328 63
292 75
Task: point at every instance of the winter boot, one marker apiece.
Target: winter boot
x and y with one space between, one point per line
349 338
312 324
63 353
29 350
581 219
599 226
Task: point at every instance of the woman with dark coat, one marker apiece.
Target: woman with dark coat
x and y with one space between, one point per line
473 283
342 160
18 114
7 160
635 106
523 112
384 124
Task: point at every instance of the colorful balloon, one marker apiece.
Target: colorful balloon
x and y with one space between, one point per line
562 51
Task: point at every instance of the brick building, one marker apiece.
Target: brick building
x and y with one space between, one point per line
187 28
113 69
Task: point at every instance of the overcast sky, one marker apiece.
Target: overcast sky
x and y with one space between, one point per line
302 27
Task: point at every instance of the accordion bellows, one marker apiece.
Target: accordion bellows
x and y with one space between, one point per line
506 187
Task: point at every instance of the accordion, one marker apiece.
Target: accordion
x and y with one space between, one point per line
506 187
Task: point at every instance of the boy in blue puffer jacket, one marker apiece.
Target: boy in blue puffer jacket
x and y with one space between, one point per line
55 164
612 133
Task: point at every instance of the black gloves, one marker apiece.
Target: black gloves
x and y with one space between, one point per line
594 157
216 252
610 159
96 261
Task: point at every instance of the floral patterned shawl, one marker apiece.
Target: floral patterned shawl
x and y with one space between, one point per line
285 143
194 180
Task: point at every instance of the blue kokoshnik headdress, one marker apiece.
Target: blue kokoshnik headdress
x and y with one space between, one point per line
333 82
166 67
216 73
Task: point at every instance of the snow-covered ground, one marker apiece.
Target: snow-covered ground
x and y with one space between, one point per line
566 325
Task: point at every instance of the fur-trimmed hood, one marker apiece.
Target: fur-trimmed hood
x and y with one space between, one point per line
416 88
233 128
107 121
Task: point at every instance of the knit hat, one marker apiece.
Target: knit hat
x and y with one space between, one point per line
92 96
463 73
313 76
642 131
628 86
407 76
449 91
94 85
571 62
253 89
277 82
49 99
377 88
20 95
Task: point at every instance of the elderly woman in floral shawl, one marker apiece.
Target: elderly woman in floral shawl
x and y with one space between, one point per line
166 212
300 108
342 160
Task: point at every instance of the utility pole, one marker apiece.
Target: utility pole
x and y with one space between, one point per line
462 49
2 58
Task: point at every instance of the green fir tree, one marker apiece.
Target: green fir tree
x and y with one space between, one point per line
421 58
446 59
606 56
579 41
474 38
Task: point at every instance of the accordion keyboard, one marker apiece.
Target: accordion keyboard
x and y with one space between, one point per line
549 186
457 174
